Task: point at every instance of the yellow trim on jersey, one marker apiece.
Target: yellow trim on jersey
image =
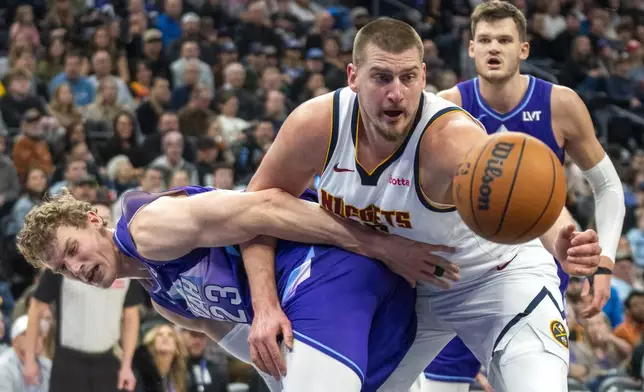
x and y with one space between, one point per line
355 149
439 206
328 147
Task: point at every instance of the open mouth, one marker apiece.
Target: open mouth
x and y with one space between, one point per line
494 62
92 275
393 113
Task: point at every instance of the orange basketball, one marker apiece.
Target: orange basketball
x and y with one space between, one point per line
510 189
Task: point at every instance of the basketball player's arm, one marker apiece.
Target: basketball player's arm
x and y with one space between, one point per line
453 95
570 112
586 151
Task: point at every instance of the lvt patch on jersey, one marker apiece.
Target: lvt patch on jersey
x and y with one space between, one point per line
559 332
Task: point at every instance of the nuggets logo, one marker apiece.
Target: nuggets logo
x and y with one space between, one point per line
372 215
559 332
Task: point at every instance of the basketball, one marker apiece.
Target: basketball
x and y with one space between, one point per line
510 189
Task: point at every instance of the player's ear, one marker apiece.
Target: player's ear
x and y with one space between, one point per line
94 220
524 51
470 49
423 73
352 74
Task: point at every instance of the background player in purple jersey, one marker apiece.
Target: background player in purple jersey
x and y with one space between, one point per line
353 319
504 100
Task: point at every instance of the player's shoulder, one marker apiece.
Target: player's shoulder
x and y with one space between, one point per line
316 112
563 97
452 95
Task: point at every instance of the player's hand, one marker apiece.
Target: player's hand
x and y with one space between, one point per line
594 298
578 253
269 323
126 381
484 383
30 372
416 261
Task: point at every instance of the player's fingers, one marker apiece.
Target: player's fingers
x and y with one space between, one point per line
257 360
444 264
585 237
592 249
267 360
277 359
287 333
584 260
451 276
567 231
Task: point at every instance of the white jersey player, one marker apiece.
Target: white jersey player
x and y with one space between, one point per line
387 153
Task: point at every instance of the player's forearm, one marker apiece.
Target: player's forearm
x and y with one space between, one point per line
259 262
549 239
34 315
130 334
290 218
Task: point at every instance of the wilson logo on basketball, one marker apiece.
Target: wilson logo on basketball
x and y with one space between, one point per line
494 169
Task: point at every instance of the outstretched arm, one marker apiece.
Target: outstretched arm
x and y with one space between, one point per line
171 227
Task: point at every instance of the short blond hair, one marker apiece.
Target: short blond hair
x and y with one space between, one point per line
37 236
496 10
389 35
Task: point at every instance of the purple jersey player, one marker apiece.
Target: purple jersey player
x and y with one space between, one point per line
347 311
456 364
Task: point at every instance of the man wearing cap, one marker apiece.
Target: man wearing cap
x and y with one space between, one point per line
153 53
333 77
31 148
84 188
11 362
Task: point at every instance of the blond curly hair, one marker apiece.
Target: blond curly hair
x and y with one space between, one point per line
36 238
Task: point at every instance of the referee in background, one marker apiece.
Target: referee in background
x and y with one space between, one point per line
90 323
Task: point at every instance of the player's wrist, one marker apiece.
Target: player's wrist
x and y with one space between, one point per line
606 263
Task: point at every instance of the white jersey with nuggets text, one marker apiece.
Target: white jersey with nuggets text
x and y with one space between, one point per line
391 199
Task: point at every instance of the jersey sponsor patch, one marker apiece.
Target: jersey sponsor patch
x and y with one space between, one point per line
559 332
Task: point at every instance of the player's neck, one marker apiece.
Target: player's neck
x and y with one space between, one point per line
127 266
379 147
504 97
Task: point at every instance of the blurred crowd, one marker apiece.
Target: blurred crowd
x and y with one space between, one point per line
104 96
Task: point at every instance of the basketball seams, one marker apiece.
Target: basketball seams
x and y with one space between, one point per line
514 179
545 208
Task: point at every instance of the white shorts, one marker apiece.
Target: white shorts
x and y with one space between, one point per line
487 313
423 384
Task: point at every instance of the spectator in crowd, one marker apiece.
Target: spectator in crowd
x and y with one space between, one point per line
172 159
121 174
74 170
147 115
203 375
623 275
223 176
123 141
9 183
82 89
152 180
234 78
168 22
196 115
161 361
179 178
230 124
106 107
102 41
253 149
631 329
53 62
84 188
102 68
190 52
62 106
34 192
30 148
18 98
12 361
181 94
153 53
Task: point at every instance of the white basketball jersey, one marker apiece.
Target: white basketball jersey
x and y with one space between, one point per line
390 198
